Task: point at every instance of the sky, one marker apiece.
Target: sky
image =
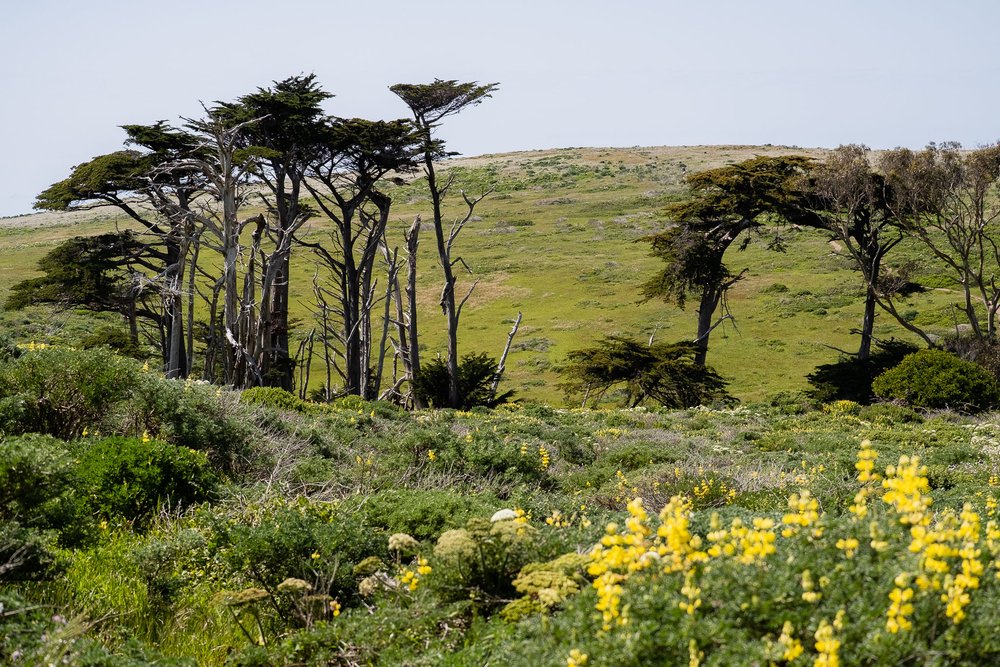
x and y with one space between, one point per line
810 73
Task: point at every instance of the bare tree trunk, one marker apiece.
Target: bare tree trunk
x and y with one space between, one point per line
502 366
867 325
412 243
192 273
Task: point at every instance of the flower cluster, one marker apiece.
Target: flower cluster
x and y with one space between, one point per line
411 578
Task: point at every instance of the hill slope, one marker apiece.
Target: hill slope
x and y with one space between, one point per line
560 240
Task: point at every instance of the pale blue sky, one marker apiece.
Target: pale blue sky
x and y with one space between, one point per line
571 73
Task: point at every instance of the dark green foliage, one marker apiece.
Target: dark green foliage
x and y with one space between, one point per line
87 271
475 381
310 542
275 397
431 102
40 505
60 392
726 202
26 554
850 378
103 177
131 478
36 480
192 414
939 379
662 373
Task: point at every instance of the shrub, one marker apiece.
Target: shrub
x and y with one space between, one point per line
274 397
938 379
481 561
423 513
850 378
25 554
663 374
309 541
38 487
114 338
194 415
475 383
131 478
60 391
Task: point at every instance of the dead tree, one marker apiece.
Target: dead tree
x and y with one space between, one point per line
355 156
430 104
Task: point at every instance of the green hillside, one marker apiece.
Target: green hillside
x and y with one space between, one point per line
560 240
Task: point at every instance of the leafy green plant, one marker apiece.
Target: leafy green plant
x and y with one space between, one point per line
850 378
475 382
61 392
194 415
939 379
275 397
39 487
131 478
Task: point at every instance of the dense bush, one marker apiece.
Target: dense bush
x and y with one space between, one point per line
938 379
131 478
275 397
308 541
475 382
115 338
60 391
661 374
850 378
423 513
194 415
39 487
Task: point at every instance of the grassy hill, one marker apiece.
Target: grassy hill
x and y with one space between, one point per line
560 240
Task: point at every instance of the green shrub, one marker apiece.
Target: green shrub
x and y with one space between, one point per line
850 378
194 415
60 391
132 478
275 397
115 338
475 383
938 379
39 487
307 541
423 513
481 561
26 554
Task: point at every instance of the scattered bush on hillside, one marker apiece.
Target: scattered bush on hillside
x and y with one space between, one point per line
475 383
132 478
61 392
850 378
662 373
939 379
